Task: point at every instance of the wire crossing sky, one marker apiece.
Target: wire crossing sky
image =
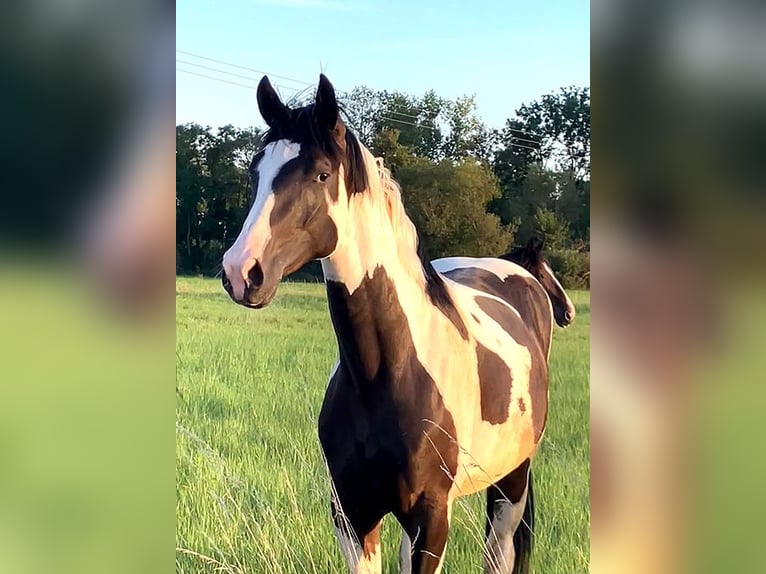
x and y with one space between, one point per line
506 53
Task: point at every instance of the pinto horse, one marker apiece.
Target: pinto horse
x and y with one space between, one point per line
519 287
441 388
530 257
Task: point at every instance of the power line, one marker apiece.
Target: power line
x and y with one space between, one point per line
245 68
525 140
392 112
249 87
303 82
216 79
434 129
524 146
217 70
519 132
383 117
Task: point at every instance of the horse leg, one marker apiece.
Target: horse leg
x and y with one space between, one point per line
510 523
426 526
405 554
362 552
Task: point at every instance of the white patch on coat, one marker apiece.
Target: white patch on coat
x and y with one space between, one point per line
256 230
335 368
405 554
499 553
374 231
365 223
488 452
499 267
357 562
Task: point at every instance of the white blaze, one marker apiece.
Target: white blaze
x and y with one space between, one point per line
256 230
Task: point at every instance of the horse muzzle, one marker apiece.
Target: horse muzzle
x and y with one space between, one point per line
248 286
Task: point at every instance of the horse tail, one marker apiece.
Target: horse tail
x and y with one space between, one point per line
523 538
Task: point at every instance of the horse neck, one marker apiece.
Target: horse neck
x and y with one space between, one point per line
375 283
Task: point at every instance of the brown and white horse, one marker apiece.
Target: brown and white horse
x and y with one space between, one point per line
530 257
441 388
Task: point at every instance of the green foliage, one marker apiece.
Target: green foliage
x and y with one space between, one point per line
553 231
572 267
561 121
395 155
570 261
212 192
429 126
543 161
469 189
521 201
447 203
252 488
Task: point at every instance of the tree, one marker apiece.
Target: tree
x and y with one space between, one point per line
552 230
470 190
562 123
212 192
429 126
362 108
395 155
447 203
190 187
543 160
467 135
371 112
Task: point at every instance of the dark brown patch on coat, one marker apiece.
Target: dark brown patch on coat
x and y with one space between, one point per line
524 294
538 375
301 227
530 257
428 526
522 406
382 453
495 383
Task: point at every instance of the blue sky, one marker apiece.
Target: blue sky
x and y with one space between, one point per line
504 52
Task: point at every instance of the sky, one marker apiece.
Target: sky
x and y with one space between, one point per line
505 52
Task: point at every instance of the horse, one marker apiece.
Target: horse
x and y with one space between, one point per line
530 257
517 288
440 389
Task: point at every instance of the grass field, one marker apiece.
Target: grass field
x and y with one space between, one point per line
252 490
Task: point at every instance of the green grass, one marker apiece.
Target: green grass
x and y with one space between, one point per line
252 490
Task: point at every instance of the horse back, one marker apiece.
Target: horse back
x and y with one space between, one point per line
509 282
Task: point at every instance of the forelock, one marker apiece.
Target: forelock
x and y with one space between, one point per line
340 146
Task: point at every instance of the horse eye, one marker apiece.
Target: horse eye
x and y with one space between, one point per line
323 177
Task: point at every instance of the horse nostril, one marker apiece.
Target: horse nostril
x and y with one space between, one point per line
569 315
255 276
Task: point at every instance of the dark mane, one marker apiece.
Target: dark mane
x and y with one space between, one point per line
437 290
528 256
519 255
304 129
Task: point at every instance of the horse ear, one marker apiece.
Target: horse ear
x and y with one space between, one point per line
535 247
273 111
326 105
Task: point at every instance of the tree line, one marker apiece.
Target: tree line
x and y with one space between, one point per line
469 189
